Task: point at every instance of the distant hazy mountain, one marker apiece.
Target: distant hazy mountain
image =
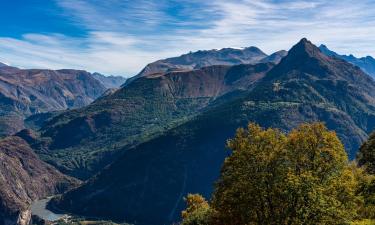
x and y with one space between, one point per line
275 57
24 178
25 92
109 81
171 129
367 64
199 59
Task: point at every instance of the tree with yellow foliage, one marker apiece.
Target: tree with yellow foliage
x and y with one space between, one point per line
197 212
272 178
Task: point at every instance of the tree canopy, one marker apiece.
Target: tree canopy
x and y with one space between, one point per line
274 178
366 154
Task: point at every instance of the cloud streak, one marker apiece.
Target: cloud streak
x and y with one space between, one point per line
123 36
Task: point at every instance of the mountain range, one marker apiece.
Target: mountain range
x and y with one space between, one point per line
165 94
26 92
199 59
143 147
167 131
367 64
146 107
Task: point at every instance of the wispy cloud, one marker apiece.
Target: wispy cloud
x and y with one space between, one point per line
100 51
122 36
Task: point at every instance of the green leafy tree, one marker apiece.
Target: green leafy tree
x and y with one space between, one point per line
271 178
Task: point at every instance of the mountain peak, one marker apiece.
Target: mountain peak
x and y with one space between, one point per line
254 49
305 57
305 40
303 51
305 47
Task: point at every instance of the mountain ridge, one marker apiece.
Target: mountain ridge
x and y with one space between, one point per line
367 63
25 92
109 81
203 58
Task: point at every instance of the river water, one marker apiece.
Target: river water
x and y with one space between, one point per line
38 208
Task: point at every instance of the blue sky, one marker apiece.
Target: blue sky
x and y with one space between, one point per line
121 36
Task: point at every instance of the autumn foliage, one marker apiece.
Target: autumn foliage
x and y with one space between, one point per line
303 177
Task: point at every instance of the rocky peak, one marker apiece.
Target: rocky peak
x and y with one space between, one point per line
304 48
303 57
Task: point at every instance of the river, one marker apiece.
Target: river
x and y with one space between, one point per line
38 208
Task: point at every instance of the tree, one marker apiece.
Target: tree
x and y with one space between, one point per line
197 212
271 178
366 191
365 176
250 176
366 154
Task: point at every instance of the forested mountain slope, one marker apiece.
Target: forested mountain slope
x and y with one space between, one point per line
138 112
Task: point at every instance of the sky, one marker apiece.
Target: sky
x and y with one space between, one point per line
120 37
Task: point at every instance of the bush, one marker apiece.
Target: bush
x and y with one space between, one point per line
198 211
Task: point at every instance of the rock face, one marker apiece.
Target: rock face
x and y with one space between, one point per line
148 182
367 64
199 59
109 81
25 178
148 106
28 92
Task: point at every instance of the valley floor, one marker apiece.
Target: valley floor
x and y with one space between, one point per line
39 209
